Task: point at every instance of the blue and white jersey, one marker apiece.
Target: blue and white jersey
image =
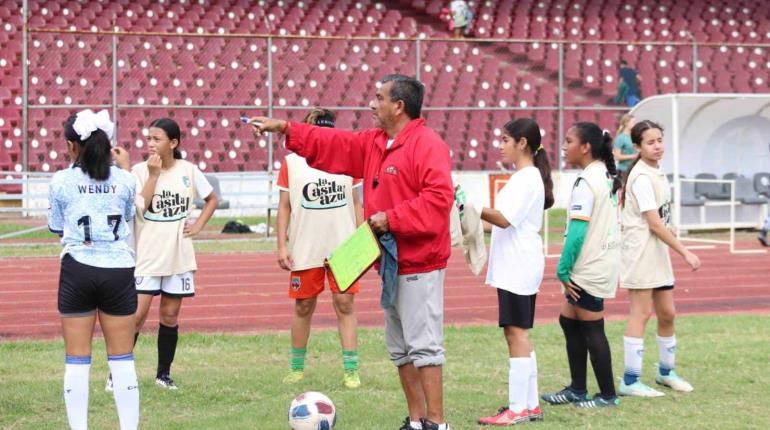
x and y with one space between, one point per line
91 216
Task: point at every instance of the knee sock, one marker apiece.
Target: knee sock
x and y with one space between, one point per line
518 381
601 358
576 352
349 360
167 340
533 400
76 371
125 389
667 354
633 349
298 358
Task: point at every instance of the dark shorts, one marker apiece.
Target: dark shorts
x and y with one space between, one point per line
664 288
586 301
83 289
516 310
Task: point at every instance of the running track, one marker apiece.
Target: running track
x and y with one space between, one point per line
247 293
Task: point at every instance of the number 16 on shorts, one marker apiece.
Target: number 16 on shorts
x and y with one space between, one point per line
182 285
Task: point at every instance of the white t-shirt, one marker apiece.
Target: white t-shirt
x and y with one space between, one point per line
644 193
516 260
581 202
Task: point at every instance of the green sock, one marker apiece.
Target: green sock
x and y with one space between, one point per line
350 360
298 358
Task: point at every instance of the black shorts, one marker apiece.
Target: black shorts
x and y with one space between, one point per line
664 288
83 289
586 301
516 310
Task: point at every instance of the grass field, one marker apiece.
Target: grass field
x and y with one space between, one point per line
234 382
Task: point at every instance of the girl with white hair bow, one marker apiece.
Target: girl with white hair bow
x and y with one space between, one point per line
90 204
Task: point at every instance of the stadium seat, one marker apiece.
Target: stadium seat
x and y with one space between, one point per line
762 183
61 61
222 203
744 190
714 191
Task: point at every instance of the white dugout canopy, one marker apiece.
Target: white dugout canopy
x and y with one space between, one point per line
710 133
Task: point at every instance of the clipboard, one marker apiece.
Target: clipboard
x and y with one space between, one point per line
353 257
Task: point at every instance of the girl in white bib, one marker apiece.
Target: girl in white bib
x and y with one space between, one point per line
646 265
588 267
311 201
165 258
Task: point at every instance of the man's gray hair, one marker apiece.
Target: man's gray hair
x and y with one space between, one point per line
407 89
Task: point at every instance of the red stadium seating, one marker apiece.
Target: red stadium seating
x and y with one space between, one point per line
176 71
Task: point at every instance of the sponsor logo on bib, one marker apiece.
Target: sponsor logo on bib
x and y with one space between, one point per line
323 194
167 206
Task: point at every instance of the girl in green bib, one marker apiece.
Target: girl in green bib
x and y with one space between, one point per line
588 267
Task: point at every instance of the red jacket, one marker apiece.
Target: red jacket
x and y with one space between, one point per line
411 182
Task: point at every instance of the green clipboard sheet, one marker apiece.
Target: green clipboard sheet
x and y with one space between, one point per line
354 256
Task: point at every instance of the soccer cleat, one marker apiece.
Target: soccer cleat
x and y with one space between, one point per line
506 417
407 424
294 376
673 381
164 380
536 414
430 425
638 389
567 395
108 385
598 402
351 379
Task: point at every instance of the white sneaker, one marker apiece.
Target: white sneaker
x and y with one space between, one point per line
638 389
108 385
673 381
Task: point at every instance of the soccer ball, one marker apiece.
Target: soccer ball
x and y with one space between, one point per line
312 411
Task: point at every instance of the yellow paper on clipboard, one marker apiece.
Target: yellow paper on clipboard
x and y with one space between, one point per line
354 256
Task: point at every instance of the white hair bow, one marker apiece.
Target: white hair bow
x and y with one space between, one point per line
87 122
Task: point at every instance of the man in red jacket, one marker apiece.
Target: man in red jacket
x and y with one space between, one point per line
408 192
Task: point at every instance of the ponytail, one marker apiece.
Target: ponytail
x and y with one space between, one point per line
601 148
625 180
608 157
636 138
530 130
95 156
542 164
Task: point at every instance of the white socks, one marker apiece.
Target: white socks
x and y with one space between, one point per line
415 425
125 389
633 348
667 353
533 399
518 382
76 370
